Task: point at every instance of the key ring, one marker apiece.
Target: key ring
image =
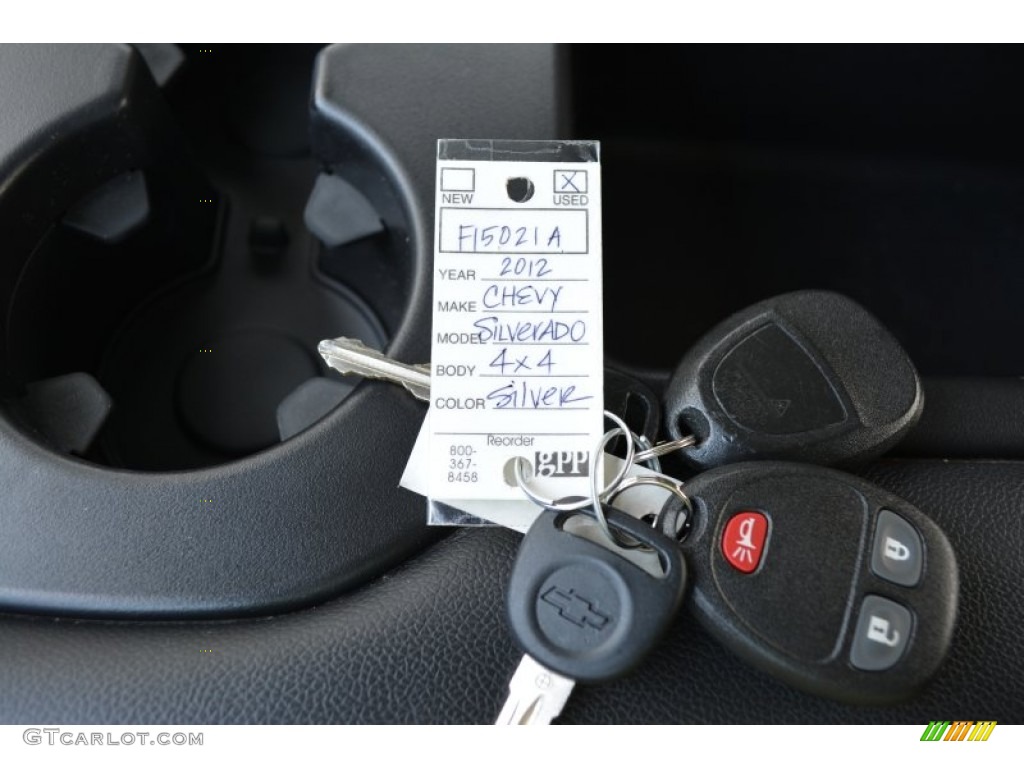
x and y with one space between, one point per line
620 477
662 449
644 455
621 429
675 487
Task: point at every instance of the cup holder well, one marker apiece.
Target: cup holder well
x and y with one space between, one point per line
111 319
202 319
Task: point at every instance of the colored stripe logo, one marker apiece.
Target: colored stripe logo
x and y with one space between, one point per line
958 730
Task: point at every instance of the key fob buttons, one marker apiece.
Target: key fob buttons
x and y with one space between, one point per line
882 634
743 540
821 578
897 553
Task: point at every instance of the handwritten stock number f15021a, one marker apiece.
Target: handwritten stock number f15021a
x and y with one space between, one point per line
513 231
475 239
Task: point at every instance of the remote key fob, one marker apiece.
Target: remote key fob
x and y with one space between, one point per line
807 376
819 578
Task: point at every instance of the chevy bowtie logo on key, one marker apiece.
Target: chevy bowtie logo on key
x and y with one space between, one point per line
576 609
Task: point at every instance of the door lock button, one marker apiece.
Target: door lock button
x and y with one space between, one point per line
897 554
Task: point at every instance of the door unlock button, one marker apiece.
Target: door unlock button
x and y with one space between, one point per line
883 630
897 553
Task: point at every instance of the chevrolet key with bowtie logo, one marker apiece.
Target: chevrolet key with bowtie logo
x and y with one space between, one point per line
584 607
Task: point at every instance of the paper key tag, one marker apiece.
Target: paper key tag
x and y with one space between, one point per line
516 514
517 339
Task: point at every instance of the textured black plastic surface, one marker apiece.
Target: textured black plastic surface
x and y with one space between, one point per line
806 376
430 643
582 610
799 613
969 417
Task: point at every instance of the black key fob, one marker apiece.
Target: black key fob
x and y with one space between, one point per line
821 579
807 376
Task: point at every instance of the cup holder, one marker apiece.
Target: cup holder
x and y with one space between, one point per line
172 323
177 240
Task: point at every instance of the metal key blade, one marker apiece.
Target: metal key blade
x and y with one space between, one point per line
536 695
352 357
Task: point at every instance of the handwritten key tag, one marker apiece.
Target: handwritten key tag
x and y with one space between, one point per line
517 336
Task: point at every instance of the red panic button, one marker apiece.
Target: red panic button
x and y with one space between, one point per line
743 540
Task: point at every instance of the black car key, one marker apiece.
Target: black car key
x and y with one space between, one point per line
807 376
821 579
584 609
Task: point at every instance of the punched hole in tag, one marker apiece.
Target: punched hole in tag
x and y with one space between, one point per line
520 189
508 472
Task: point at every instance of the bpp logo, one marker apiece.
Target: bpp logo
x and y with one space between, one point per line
562 463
